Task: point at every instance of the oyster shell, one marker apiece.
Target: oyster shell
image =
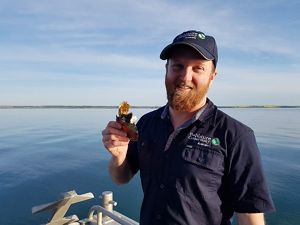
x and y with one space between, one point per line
127 120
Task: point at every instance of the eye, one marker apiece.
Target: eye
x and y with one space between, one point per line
199 69
177 67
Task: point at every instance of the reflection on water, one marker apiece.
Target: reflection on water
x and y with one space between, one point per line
44 152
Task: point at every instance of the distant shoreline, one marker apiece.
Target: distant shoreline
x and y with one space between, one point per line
138 107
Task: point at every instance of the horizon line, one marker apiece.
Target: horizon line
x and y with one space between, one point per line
136 106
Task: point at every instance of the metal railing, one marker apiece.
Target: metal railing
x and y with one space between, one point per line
100 215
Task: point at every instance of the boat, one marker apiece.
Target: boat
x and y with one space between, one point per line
97 215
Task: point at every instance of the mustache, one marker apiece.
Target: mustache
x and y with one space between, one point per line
184 85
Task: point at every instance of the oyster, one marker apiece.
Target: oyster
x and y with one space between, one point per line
128 121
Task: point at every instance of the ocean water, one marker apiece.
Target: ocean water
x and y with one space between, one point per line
45 152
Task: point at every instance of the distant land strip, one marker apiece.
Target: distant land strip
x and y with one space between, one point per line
114 107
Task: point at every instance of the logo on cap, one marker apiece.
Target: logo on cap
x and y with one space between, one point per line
201 35
204 45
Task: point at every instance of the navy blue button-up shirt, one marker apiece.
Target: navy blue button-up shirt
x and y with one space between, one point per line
201 173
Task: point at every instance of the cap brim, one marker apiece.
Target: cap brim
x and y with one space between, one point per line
167 51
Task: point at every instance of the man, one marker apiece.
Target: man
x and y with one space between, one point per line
197 165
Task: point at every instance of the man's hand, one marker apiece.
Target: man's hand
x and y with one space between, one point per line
250 219
116 142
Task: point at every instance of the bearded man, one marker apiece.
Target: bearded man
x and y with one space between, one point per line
197 165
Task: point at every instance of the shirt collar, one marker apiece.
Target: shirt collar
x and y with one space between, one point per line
165 115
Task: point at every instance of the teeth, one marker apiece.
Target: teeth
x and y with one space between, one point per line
184 87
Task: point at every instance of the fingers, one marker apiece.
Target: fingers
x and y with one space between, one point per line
114 128
113 136
114 124
110 144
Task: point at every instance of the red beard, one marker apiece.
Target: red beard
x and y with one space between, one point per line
184 97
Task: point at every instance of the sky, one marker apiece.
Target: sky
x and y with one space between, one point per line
101 52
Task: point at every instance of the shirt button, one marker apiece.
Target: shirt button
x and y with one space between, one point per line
162 186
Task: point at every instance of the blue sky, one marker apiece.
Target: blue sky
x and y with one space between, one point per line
101 52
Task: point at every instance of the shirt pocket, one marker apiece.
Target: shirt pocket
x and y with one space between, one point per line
204 157
203 171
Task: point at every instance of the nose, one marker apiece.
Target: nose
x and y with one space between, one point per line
186 74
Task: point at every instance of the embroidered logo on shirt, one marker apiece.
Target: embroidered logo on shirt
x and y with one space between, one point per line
215 141
203 140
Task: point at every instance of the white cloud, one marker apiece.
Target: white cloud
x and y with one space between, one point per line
69 57
244 86
116 42
141 22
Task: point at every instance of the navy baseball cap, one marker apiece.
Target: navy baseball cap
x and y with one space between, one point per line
203 44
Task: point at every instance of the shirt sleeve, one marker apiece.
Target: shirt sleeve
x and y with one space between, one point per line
247 183
132 156
133 149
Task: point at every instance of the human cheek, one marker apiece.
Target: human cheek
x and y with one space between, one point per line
171 77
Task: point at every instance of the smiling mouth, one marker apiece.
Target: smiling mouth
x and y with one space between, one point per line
184 87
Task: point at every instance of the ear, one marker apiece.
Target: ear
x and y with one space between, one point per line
213 76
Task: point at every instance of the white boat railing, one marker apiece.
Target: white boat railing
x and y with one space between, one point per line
97 215
116 216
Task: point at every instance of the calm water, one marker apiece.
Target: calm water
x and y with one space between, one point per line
44 152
